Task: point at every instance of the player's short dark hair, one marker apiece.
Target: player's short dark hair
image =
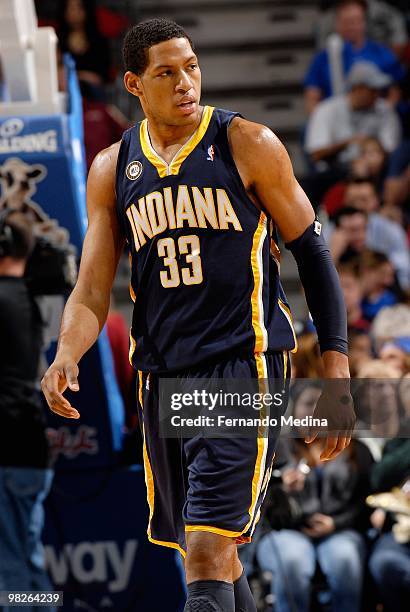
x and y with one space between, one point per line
23 239
144 35
347 211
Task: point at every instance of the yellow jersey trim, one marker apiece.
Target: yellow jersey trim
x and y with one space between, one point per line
149 477
140 389
168 545
286 311
258 324
131 288
222 532
174 166
133 344
262 443
149 152
262 475
149 481
285 365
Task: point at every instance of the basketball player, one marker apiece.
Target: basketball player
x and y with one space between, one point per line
197 194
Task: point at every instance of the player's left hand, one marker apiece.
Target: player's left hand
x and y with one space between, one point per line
335 405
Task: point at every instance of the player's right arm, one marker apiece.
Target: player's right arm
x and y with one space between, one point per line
87 307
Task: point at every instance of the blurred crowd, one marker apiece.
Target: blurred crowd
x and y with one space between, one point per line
357 149
336 536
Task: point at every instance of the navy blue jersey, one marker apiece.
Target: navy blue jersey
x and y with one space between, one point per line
203 279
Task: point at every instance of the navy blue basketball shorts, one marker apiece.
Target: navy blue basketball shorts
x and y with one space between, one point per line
215 485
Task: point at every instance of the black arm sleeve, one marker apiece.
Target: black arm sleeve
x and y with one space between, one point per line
322 288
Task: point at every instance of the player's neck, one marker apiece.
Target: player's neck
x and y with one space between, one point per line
167 139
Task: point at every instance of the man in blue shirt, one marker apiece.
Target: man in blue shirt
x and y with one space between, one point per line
330 65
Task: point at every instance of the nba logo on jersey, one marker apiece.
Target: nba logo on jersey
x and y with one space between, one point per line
211 153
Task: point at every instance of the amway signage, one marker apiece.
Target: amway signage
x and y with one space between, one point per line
91 562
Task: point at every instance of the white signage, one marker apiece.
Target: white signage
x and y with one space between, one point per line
12 141
91 561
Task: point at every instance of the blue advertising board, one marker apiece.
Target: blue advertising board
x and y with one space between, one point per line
42 172
96 546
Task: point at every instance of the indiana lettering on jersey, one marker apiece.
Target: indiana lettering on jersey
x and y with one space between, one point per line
192 207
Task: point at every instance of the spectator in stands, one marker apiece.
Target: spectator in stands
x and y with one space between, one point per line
376 403
360 350
397 184
338 125
356 231
377 281
25 471
330 65
361 193
328 499
391 323
396 352
349 237
383 234
385 25
353 295
390 559
370 163
79 35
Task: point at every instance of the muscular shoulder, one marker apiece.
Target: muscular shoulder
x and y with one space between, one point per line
267 174
101 177
244 132
256 148
106 160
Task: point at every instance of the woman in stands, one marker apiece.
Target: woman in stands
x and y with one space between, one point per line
79 35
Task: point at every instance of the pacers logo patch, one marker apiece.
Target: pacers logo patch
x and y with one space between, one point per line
134 170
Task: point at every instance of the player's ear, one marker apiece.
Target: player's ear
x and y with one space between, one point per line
133 83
